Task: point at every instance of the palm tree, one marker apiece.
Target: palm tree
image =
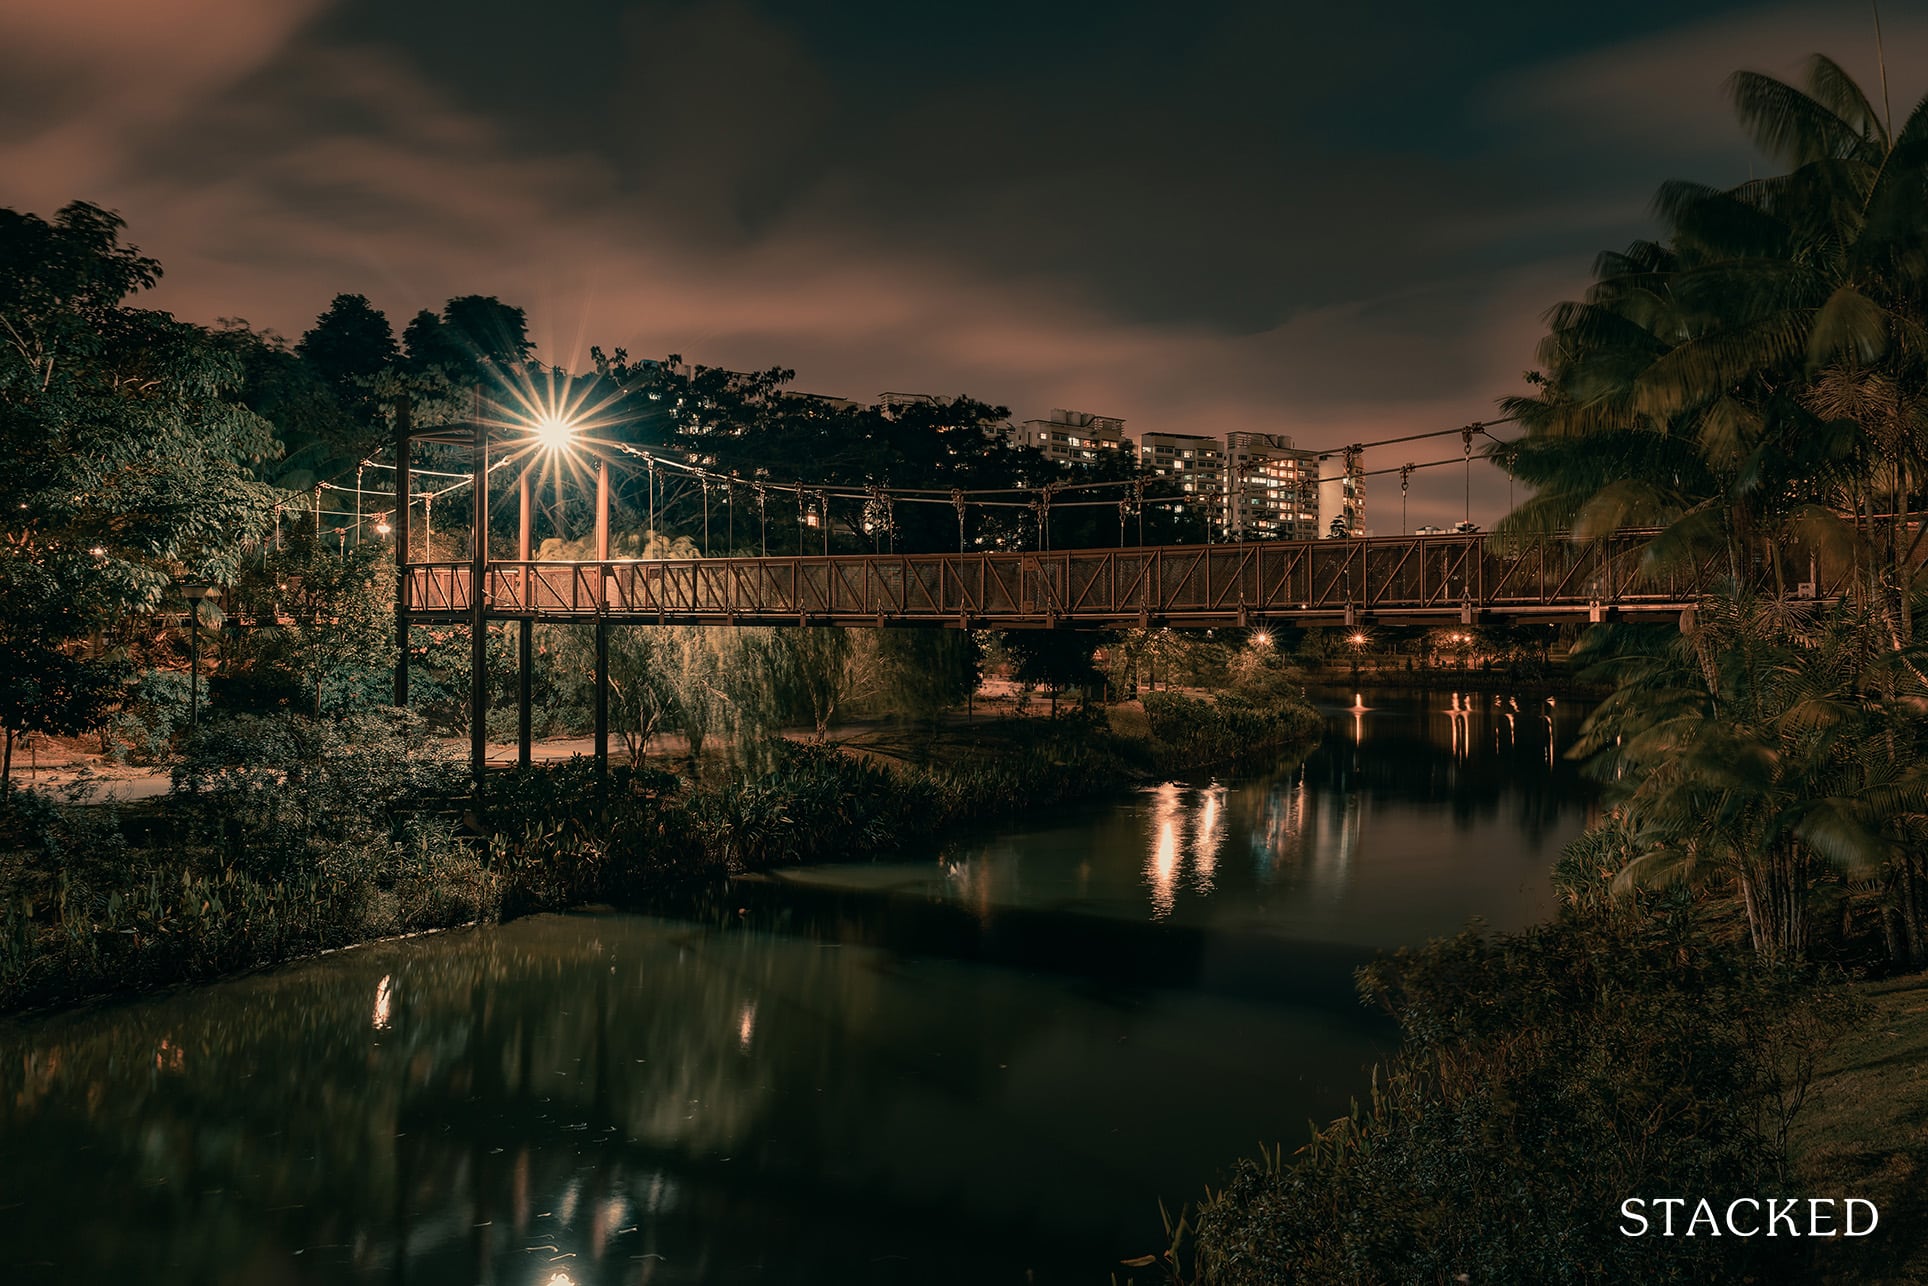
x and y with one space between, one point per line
1763 373
1765 744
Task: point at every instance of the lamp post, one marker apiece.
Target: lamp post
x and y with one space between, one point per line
403 445
195 595
556 433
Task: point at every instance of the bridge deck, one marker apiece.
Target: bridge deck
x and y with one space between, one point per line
1394 580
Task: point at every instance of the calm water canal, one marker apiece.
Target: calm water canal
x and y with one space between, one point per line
986 1065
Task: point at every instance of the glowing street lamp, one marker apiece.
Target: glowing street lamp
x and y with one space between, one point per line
554 432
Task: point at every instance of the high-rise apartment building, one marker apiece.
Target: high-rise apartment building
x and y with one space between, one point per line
1072 436
1342 494
1271 488
1196 464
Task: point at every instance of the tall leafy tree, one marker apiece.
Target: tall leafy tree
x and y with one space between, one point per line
349 346
429 344
131 463
1754 382
492 332
1763 372
350 343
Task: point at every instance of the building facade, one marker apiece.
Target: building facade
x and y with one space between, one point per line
1196 465
1271 488
1342 495
1072 437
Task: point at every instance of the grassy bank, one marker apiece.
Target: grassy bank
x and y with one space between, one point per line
1866 1132
1542 1078
285 836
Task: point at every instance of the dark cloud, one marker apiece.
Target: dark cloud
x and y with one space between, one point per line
1338 222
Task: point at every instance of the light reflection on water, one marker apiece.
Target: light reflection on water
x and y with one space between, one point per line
1416 813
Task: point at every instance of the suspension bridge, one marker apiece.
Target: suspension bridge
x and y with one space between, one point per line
1465 577
1407 580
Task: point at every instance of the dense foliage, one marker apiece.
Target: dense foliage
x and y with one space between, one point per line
1755 388
1542 1079
287 834
130 463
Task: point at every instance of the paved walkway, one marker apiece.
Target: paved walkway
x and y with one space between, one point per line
96 779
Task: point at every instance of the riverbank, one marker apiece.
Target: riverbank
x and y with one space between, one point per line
283 836
1544 1076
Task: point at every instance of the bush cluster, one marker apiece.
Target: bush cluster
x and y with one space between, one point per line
286 835
1195 732
1543 1078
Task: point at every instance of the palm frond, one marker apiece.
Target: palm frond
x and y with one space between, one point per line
1789 124
1849 326
1659 868
1830 828
1837 91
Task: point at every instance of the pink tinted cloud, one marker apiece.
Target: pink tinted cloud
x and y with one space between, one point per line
1664 91
117 74
422 200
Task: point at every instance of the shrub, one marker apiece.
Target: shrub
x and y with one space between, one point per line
150 717
1193 732
1543 1078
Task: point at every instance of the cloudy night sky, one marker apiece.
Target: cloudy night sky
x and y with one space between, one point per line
1336 222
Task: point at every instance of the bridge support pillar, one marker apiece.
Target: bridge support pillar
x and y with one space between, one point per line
525 634
602 702
524 691
479 618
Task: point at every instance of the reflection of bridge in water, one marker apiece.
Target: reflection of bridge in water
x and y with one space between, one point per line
1403 580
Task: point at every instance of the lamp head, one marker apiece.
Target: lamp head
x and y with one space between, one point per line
554 432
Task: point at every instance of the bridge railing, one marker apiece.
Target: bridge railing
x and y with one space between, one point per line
1418 576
